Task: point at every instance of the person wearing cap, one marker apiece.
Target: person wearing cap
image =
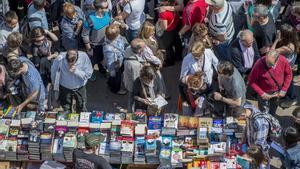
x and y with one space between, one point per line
37 15
87 158
221 27
264 29
93 33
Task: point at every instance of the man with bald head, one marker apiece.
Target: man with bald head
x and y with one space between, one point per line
244 52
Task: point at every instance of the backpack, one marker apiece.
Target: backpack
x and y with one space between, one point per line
275 128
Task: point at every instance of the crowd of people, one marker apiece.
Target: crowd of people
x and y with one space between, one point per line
229 50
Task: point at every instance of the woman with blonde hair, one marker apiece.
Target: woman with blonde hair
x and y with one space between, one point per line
199 59
148 35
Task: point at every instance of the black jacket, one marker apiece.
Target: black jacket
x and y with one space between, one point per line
238 58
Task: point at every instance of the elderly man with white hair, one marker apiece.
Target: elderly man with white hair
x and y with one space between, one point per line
244 52
270 78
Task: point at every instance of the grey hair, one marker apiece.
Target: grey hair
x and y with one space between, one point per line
243 34
261 10
136 44
273 53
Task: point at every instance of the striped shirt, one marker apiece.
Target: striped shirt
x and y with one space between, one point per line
221 23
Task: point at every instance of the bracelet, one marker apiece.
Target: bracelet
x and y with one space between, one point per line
222 98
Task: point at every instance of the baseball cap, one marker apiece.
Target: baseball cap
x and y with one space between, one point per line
93 139
217 3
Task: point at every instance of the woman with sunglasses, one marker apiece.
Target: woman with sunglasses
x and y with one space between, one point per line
41 51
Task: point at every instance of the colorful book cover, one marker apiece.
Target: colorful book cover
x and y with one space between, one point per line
205 122
171 120
193 122
85 117
73 117
97 116
127 128
183 122
140 116
165 153
176 155
140 146
154 122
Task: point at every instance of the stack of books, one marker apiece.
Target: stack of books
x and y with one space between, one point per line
69 144
46 145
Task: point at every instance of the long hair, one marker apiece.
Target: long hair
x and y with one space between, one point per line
288 35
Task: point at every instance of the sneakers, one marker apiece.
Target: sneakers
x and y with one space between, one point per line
122 92
93 78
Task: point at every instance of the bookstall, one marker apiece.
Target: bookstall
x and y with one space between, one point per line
166 140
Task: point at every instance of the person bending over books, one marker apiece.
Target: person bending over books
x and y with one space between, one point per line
87 158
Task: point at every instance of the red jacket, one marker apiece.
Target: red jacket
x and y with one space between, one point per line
261 81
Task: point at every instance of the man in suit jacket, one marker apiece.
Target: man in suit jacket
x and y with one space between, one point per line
244 52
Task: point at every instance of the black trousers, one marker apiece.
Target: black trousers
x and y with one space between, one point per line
170 41
97 55
66 97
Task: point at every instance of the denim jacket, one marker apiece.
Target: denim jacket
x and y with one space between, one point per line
114 52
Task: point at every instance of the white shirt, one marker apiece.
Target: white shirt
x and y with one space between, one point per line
135 18
190 65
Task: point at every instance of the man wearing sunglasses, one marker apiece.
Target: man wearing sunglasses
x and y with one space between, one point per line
75 69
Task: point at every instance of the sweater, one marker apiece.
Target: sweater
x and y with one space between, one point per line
261 81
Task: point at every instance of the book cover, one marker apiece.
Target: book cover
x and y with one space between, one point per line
127 144
127 128
85 117
140 146
183 122
73 117
154 122
171 120
176 155
193 122
97 116
205 122
165 153
140 116
140 129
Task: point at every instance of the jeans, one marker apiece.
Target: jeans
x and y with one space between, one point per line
222 51
267 106
132 34
66 97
